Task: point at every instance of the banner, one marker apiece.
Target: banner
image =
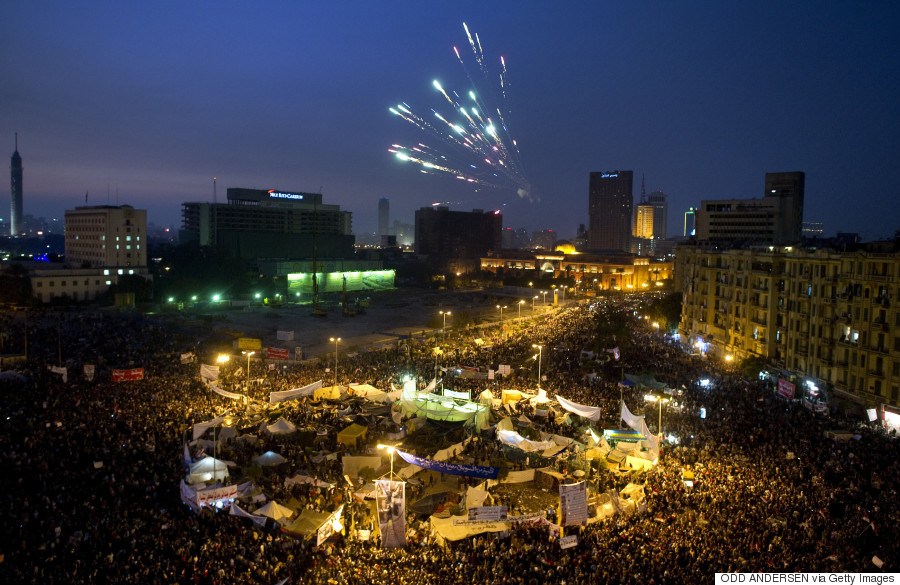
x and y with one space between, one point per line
568 541
209 372
225 393
390 501
236 510
309 390
450 468
615 351
631 420
332 525
187 358
128 375
212 495
488 513
277 353
89 372
573 504
785 389
591 413
284 335
60 370
529 517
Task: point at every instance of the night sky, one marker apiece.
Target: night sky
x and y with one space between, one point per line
149 101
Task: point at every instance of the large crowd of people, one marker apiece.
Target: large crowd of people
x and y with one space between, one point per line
92 467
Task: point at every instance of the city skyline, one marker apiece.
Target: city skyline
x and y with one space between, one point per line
700 98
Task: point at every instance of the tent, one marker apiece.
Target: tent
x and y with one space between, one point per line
646 381
351 435
352 464
281 427
306 524
327 393
275 511
268 458
208 469
427 505
370 393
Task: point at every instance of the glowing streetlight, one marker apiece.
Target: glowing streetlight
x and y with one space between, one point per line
534 298
501 313
543 292
520 303
540 349
444 326
390 450
336 340
249 353
216 298
652 398
222 358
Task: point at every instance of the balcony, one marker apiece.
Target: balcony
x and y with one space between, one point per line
760 321
803 349
880 349
876 373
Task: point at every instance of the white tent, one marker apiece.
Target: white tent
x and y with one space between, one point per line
369 392
268 458
275 511
208 469
281 427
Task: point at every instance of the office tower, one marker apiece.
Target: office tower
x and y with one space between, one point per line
690 222
16 228
660 214
456 237
813 229
543 239
644 226
106 235
265 223
777 218
383 216
609 211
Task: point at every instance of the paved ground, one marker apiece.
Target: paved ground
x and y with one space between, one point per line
392 314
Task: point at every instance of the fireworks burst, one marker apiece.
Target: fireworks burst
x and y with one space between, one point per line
474 142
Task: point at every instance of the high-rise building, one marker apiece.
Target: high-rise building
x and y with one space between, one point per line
16 227
106 235
451 239
658 200
266 223
543 239
383 216
822 317
777 218
690 222
813 229
609 211
644 226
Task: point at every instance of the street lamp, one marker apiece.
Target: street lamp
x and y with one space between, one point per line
653 398
501 313
444 326
520 303
391 450
543 292
534 298
249 353
336 340
222 358
540 349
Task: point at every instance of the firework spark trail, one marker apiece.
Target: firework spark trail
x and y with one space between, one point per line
482 151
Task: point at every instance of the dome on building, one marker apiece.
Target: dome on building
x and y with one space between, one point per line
565 246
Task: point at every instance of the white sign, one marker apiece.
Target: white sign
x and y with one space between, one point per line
488 513
573 504
568 541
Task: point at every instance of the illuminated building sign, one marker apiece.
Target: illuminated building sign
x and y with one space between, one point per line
281 195
609 175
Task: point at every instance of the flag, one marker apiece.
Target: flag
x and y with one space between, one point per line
390 502
187 358
89 372
615 351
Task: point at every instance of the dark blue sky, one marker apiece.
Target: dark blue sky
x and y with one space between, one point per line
702 98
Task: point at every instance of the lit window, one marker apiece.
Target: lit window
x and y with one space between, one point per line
108 282
106 272
121 271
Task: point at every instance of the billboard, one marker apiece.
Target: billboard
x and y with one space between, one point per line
277 353
250 343
127 375
785 389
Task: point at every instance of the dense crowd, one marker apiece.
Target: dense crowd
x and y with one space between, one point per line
91 468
